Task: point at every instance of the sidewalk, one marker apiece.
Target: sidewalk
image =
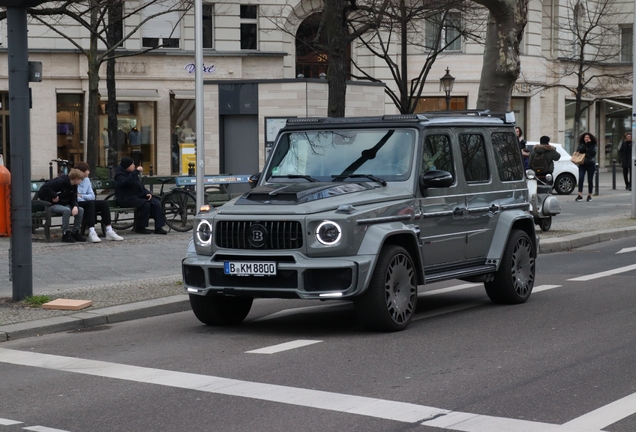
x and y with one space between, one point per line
141 276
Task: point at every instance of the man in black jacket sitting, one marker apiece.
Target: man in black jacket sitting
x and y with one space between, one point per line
61 192
129 192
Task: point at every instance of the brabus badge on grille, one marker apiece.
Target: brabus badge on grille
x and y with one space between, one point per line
257 235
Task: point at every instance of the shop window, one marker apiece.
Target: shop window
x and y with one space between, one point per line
439 104
249 27
135 135
70 141
182 140
571 140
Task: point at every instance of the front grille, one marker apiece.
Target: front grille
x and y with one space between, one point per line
283 279
327 279
277 235
194 276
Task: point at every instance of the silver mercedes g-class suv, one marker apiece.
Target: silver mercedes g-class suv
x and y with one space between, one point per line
367 209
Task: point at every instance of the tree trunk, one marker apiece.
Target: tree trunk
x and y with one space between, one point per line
113 35
337 36
502 65
92 123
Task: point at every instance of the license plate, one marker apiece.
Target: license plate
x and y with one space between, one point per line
249 268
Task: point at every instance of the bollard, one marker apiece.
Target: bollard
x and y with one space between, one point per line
51 170
596 178
152 186
151 171
613 174
191 169
110 173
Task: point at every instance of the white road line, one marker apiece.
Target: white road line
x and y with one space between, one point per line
42 429
604 274
338 402
544 288
607 415
449 289
625 250
7 422
283 347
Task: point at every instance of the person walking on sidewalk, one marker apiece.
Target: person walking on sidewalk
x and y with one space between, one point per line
626 160
587 145
542 158
129 192
61 192
86 200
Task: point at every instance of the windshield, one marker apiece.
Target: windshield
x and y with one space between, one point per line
343 155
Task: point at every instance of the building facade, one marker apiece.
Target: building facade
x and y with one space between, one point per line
257 73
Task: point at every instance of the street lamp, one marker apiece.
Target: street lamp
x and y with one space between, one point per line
446 82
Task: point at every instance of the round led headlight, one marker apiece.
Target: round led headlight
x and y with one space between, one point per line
204 233
328 233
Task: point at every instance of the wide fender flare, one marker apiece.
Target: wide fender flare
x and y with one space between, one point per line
507 221
376 236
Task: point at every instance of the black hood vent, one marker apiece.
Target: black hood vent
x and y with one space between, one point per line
298 193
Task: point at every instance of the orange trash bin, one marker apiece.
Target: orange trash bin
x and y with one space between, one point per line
5 200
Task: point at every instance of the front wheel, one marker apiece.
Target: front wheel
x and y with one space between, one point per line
219 310
514 280
179 208
546 223
565 184
389 302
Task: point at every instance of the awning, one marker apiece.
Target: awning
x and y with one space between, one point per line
132 95
182 94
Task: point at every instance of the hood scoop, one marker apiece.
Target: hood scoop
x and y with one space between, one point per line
298 193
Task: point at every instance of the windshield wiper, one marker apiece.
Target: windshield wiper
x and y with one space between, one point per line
369 176
295 176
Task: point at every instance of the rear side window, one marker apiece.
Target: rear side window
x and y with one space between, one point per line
507 156
437 154
474 157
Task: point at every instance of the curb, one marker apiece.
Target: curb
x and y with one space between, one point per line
560 244
98 317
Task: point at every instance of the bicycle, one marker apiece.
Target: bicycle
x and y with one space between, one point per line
178 206
62 167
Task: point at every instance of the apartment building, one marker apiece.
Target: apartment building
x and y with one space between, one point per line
256 76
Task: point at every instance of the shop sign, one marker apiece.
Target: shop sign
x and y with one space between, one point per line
191 67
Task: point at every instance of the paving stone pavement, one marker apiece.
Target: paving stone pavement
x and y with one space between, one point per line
141 276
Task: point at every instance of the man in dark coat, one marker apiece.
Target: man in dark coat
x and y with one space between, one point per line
626 160
61 192
129 192
543 156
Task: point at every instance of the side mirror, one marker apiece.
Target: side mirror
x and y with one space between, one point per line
436 179
253 180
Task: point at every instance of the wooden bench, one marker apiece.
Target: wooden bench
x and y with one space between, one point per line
122 217
216 193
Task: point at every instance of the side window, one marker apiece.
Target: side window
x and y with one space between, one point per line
437 154
474 157
507 156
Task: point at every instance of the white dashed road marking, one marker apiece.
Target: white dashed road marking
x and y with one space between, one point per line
360 405
43 429
604 274
283 347
7 422
625 250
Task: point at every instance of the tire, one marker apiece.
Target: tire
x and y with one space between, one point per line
120 220
179 208
389 302
220 310
514 280
565 184
545 223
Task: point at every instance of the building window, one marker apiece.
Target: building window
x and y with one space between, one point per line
70 113
439 104
182 139
135 136
518 105
627 41
208 26
450 37
164 28
249 27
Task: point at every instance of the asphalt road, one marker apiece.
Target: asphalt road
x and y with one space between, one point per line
563 361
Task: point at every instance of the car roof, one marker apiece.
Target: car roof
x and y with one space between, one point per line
537 143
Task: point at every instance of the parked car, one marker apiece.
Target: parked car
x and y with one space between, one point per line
368 209
565 172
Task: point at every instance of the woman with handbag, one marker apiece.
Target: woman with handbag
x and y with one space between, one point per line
587 146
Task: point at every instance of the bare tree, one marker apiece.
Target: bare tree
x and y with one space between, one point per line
506 22
589 53
104 19
394 31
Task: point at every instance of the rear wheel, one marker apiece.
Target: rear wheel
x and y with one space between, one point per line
219 310
546 223
565 184
514 280
120 220
179 208
389 302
